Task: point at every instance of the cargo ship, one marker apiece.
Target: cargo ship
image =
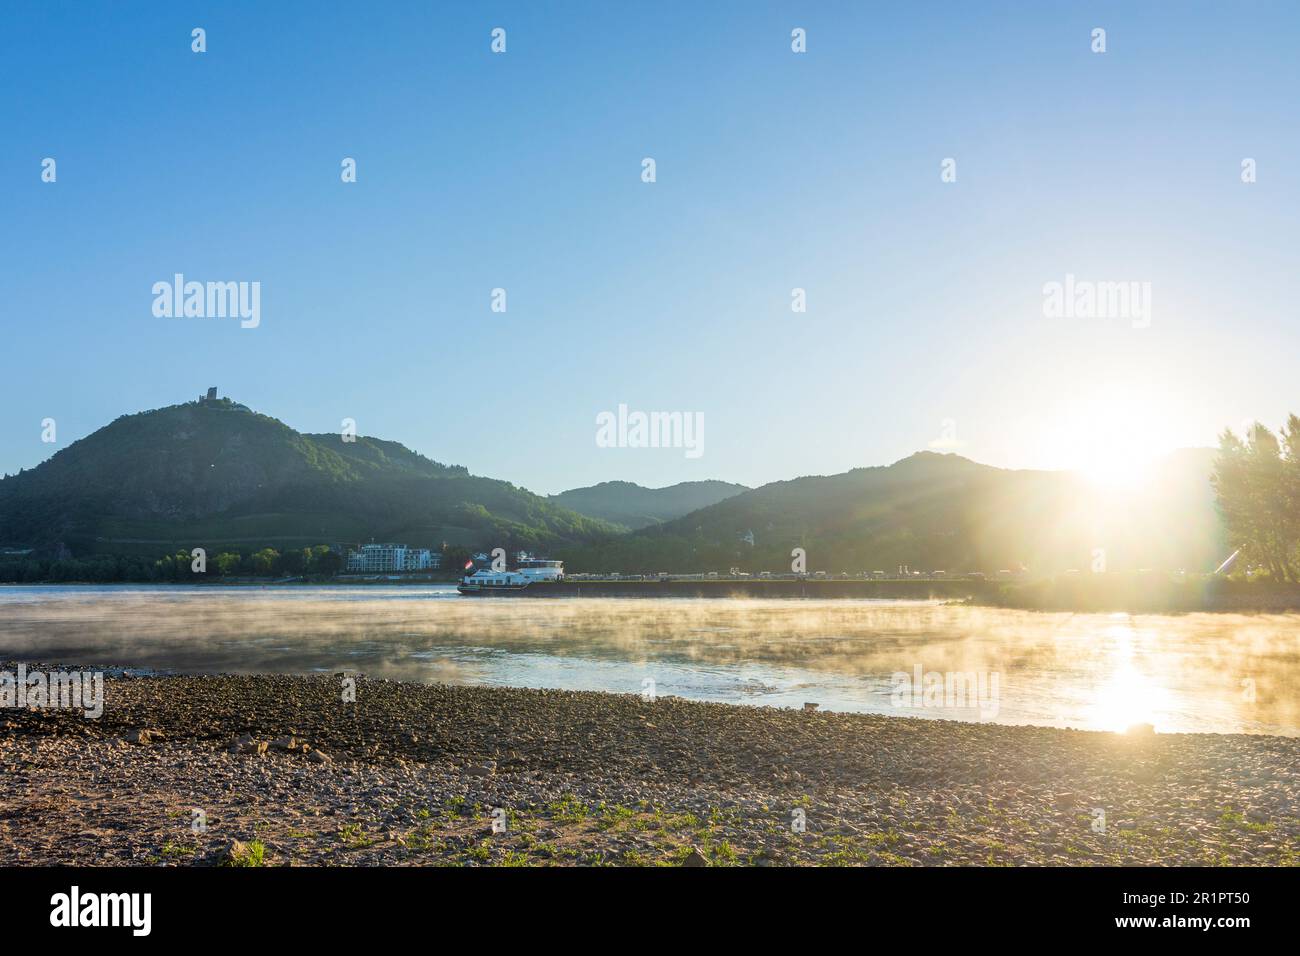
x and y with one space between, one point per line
485 581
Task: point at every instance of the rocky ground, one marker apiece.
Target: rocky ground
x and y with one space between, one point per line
281 771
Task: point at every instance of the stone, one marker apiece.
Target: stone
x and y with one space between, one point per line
231 852
695 858
248 745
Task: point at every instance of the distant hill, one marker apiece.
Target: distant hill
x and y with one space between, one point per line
634 506
215 473
938 512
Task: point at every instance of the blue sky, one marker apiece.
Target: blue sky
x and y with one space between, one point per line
775 170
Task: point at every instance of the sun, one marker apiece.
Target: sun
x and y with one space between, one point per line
1122 470
1111 436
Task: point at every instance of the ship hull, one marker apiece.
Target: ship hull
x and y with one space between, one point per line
481 590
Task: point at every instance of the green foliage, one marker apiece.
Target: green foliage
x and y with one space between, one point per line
219 476
265 561
326 562
632 506
317 562
253 854
1257 484
933 512
454 557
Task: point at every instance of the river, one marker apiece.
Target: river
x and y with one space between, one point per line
1222 673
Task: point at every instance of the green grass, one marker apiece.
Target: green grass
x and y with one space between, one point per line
253 854
569 809
613 817
353 835
422 839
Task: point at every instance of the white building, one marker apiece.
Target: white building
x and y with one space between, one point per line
377 558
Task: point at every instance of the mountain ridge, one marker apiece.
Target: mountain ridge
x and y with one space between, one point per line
187 472
939 511
634 506
214 471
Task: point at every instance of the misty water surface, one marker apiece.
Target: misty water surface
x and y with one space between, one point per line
1193 672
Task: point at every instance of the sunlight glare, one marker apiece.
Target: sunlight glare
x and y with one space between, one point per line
1113 435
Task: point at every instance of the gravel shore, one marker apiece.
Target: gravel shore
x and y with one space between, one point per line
277 770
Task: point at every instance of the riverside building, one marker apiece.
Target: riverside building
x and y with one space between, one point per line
378 558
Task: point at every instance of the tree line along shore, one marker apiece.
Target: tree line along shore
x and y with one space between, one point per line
1135 592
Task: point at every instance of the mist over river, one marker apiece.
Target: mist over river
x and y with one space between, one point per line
1225 673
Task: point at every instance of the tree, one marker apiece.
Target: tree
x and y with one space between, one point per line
1289 495
1257 486
325 562
293 562
454 557
266 561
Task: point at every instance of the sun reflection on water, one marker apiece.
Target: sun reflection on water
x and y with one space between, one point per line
1125 694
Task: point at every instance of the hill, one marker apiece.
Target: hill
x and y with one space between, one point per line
214 473
939 512
634 506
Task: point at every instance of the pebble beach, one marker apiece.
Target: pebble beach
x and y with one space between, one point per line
283 771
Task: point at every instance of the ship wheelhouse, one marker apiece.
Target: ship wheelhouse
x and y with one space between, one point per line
542 569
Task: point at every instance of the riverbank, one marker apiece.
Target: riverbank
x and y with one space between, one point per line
281 771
